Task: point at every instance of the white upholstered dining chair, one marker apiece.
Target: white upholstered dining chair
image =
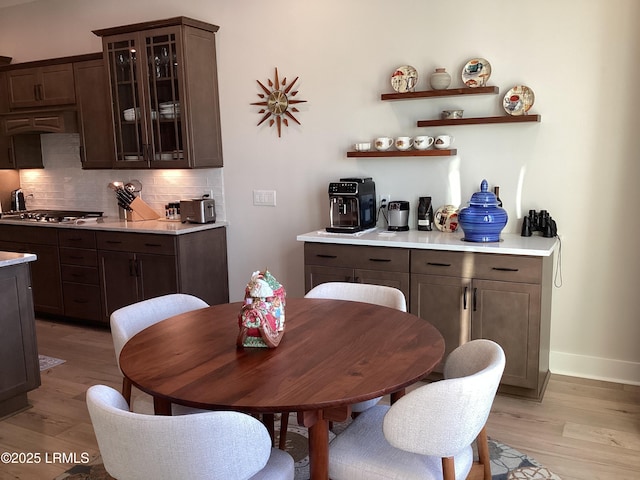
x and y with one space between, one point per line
428 433
356 292
129 320
211 445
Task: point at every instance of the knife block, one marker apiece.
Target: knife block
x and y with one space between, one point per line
140 211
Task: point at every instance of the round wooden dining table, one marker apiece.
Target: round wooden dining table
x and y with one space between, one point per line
334 353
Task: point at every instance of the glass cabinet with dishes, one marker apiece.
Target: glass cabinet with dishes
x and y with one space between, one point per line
164 94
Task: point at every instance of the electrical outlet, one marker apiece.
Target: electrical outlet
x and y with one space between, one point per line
207 194
383 200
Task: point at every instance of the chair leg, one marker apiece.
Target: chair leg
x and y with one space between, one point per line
284 425
482 443
126 390
448 469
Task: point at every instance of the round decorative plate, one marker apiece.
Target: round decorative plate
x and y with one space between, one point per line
446 218
518 100
404 79
476 72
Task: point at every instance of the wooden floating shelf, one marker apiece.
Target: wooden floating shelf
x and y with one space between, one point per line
404 153
479 120
450 92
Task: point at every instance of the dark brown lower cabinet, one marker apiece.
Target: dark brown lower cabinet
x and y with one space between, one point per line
45 271
136 266
19 366
85 274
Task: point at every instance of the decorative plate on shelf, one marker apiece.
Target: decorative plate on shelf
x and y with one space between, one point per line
476 72
518 100
404 79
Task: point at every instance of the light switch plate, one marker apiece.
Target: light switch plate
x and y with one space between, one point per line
264 198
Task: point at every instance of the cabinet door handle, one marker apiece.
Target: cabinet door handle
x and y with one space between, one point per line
464 298
35 92
132 268
76 257
323 255
152 244
505 269
436 264
379 259
475 299
114 242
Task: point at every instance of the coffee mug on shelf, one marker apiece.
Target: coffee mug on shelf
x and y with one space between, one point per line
443 142
383 143
404 143
363 146
422 142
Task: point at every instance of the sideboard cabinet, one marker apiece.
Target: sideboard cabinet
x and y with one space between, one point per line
325 262
502 297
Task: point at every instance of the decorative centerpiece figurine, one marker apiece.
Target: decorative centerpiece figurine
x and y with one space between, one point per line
261 319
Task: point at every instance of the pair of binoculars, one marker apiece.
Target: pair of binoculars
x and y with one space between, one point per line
539 222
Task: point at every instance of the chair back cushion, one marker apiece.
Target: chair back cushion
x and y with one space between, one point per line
129 320
444 417
360 292
225 445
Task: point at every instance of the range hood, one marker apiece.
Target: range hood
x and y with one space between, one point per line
39 121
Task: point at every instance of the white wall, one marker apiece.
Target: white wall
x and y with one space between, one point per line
580 163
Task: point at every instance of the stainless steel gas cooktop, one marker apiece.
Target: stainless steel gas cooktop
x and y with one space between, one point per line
53 216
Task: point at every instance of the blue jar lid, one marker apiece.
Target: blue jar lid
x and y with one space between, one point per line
484 197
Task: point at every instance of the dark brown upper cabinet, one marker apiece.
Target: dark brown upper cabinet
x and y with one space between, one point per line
44 86
164 94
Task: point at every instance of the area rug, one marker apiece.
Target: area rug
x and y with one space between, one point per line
506 463
49 362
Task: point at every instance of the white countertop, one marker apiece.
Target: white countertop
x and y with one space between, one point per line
113 224
10 258
510 243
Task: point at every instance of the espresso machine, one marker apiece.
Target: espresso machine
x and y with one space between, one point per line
352 205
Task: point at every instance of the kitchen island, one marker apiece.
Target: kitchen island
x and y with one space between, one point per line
19 366
498 290
88 268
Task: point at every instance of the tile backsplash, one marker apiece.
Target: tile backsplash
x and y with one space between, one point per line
64 184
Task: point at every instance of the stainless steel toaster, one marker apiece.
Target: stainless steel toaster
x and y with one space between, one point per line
198 210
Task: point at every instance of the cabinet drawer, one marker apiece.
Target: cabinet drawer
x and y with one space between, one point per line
37 235
370 258
132 242
508 268
79 256
77 274
82 301
77 238
440 262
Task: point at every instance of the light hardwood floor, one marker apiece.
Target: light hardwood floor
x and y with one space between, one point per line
582 430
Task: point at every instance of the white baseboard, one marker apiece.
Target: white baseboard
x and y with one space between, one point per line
595 368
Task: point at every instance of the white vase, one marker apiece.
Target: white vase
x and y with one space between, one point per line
440 79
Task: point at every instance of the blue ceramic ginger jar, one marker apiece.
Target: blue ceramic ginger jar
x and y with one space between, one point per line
483 219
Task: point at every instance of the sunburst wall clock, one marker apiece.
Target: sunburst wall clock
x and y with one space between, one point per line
278 100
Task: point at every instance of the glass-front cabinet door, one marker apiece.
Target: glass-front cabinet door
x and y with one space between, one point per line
146 93
164 93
